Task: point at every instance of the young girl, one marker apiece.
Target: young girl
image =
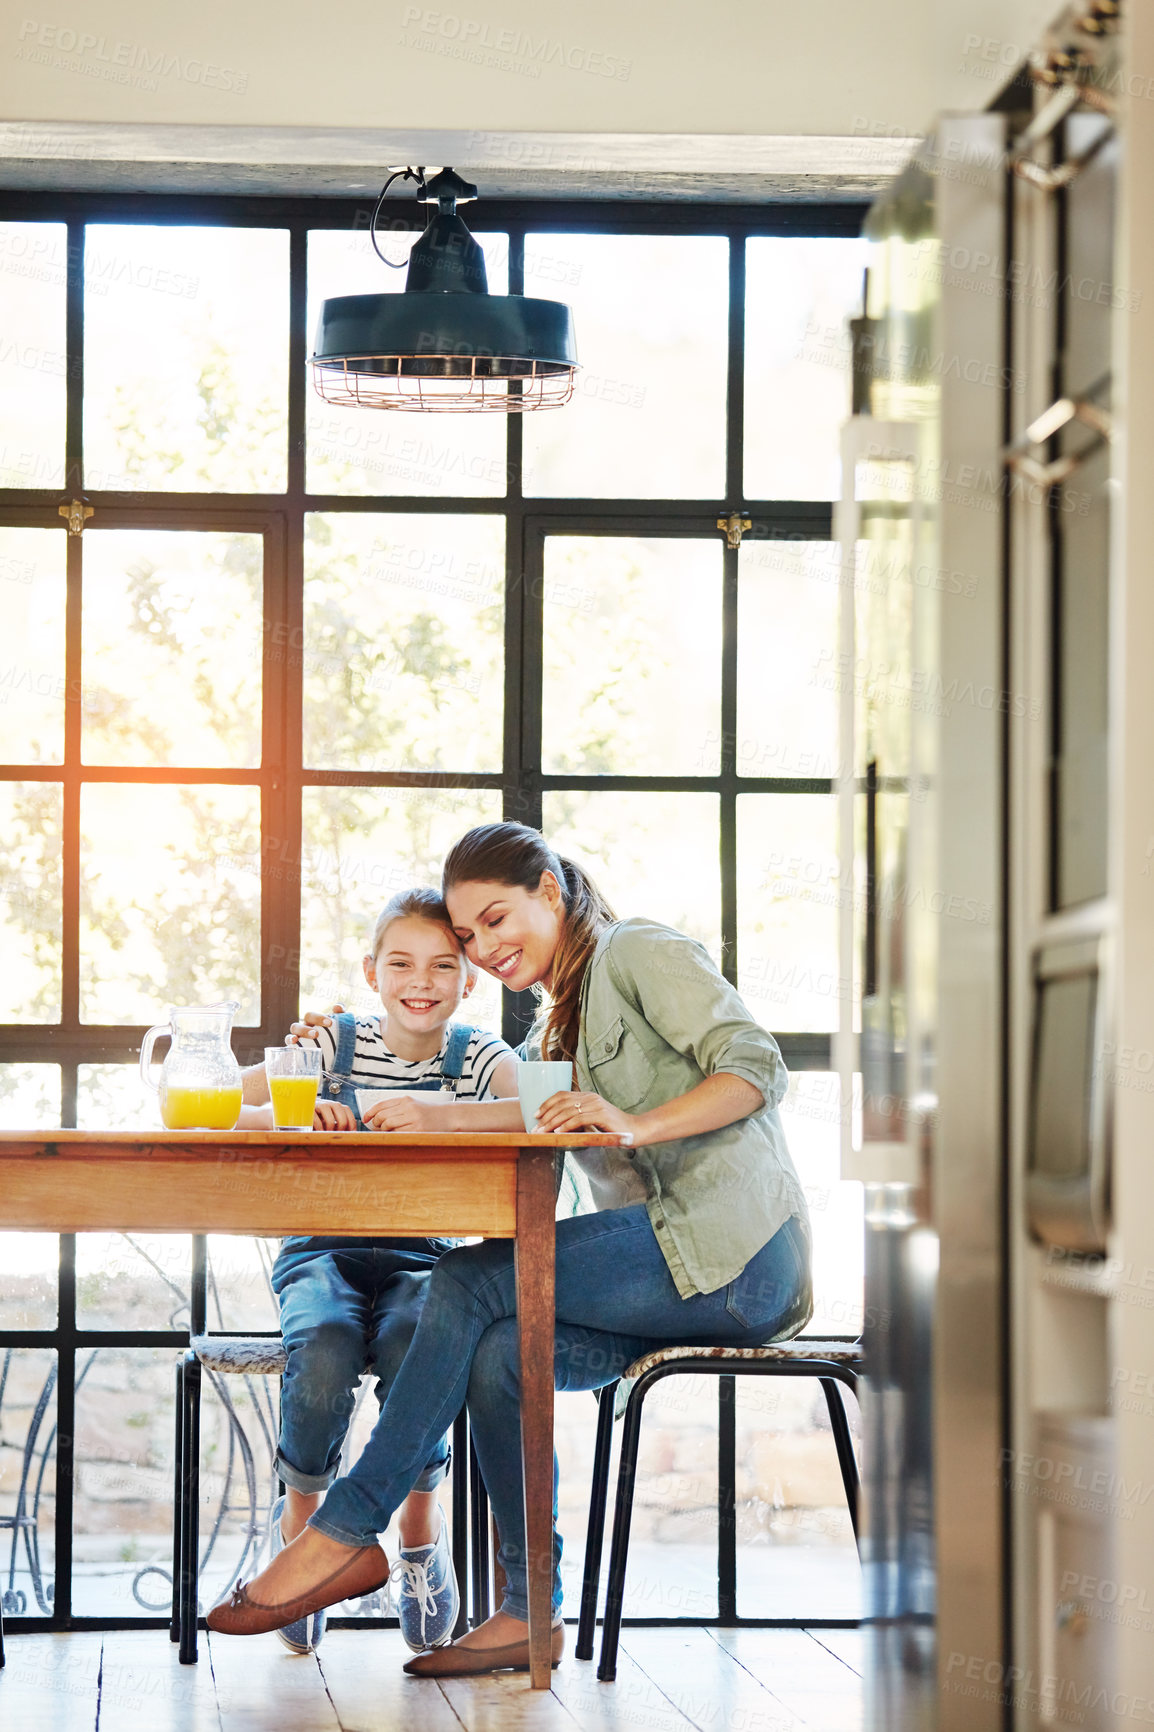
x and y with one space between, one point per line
348 1305
700 1234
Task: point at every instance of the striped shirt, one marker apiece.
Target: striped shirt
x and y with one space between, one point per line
375 1066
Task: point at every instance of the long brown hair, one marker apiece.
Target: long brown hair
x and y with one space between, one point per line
516 854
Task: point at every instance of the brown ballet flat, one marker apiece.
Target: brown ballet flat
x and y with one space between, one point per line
238 1614
457 1662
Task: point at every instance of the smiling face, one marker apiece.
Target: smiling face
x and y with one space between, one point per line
422 977
510 932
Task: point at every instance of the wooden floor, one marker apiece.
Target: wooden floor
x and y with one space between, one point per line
667 1681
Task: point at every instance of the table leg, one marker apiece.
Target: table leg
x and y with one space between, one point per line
536 1280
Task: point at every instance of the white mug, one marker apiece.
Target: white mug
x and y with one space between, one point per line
537 1079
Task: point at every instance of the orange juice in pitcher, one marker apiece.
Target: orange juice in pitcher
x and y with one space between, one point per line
199 1109
200 1085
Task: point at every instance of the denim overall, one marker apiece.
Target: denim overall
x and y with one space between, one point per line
338 1085
348 1305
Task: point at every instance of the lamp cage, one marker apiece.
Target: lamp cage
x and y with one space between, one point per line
444 344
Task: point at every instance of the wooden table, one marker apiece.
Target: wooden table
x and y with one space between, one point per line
497 1184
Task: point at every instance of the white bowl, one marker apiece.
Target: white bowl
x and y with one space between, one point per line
368 1098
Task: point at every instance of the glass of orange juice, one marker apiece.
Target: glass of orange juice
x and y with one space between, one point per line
294 1075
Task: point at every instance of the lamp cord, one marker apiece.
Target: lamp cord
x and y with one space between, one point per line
417 174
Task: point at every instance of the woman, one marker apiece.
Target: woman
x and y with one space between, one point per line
700 1231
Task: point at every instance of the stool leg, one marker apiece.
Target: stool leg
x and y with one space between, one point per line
846 1458
1 1633
479 1504
461 1519
622 1518
177 1504
190 1524
595 1535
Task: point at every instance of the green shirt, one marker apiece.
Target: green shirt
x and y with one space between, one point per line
657 1018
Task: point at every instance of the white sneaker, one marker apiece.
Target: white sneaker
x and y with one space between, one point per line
426 1593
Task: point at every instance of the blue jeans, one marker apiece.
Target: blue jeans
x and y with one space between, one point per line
346 1306
615 1300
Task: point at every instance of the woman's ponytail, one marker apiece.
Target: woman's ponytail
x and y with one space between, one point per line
587 914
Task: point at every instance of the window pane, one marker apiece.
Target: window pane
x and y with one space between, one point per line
32 659
28 1478
369 450
172 639
787 903
28 1266
787 691
632 658
29 1096
132 1280
798 295
169 900
111 1097
672 1569
361 845
404 639
239 1424
33 361
122 1513
651 854
796 1552
811 1118
30 888
186 358
240 1294
647 417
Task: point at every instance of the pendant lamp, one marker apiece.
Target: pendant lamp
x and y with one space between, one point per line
445 343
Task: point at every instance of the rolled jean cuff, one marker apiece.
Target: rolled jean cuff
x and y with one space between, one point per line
306 1482
344 1536
517 1605
430 1477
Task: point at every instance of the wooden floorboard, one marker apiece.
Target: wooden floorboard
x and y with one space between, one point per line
361 1670
817 1689
705 1682
697 1680
143 1684
50 1683
848 1645
262 1687
505 1703
631 1702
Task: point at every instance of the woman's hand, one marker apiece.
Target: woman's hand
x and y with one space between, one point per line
306 1030
407 1114
334 1116
572 1111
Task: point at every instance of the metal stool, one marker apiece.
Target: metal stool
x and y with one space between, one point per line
831 1362
253 1356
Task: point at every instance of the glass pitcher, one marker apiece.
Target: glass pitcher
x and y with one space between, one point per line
200 1086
